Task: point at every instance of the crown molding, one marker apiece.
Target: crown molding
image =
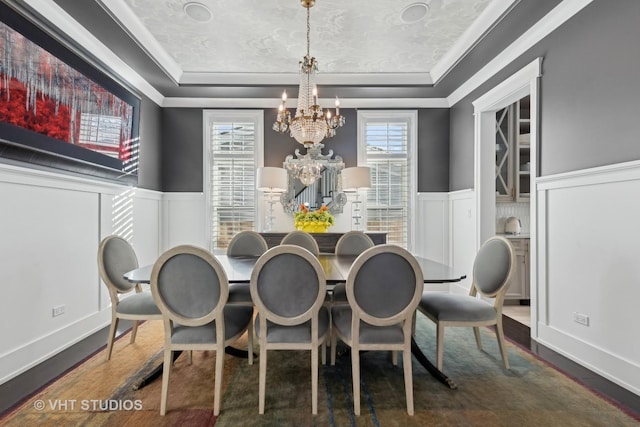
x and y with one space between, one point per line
551 21
489 17
383 79
269 103
129 22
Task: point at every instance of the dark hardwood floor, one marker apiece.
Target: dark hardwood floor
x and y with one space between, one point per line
24 385
521 335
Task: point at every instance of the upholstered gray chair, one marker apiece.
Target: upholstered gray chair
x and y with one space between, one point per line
247 243
384 286
116 257
351 243
191 289
492 269
303 239
288 287
244 244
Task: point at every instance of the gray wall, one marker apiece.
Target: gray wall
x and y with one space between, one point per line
149 171
182 149
589 96
433 150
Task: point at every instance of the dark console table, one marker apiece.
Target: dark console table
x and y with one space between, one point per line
326 241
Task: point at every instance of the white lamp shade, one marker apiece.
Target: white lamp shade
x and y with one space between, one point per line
271 179
355 179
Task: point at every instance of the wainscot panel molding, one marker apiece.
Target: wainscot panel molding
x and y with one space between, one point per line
183 220
462 237
432 231
589 266
52 225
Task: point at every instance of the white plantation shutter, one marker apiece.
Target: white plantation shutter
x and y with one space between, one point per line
232 168
385 140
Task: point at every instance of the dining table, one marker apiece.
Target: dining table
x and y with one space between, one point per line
336 268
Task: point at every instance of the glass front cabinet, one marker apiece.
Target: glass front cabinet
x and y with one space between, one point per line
513 152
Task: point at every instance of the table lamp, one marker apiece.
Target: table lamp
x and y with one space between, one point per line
354 180
272 181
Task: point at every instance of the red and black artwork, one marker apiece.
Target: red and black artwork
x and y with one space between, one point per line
43 94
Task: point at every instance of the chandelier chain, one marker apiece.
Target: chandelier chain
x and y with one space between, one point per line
308 29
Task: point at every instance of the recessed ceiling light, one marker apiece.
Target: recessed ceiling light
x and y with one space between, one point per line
414 12
198 12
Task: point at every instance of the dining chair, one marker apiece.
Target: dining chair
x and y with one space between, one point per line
247 243
116 257
351 243
288 287
384 286
303 239
191 289
492 269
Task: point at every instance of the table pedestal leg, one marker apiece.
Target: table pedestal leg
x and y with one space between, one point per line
157 372
437 374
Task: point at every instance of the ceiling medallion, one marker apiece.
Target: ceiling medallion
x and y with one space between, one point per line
311 124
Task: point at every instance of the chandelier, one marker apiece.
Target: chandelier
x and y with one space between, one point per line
311 124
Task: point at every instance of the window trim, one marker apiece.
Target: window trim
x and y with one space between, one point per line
209 116
411 117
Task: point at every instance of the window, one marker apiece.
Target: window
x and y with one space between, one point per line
386 143
233 151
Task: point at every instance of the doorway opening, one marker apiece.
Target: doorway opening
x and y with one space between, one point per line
521 87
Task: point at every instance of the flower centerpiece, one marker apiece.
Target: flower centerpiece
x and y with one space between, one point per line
313 222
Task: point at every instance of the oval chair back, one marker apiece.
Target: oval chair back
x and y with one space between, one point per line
247 243
303 239
353 243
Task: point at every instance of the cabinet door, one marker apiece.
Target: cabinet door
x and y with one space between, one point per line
504 156
519 279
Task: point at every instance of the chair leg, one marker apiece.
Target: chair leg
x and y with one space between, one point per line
112 336
476 332
439 346
166 373
250 342
134 331
314 380
394 357
502 344
355 368
334 341
263 379
323 349
408 378
218 381
189 357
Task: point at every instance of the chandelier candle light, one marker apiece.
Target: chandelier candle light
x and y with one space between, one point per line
311 124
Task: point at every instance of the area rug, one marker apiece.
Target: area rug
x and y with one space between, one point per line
530 393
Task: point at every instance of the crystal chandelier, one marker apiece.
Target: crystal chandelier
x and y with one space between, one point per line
311 124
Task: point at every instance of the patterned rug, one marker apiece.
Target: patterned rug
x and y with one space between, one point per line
101 393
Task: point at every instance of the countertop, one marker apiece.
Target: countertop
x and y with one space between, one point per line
514 236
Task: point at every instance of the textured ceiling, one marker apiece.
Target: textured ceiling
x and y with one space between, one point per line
259 36
250 49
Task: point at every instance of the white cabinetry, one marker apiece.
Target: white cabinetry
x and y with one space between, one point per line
519 287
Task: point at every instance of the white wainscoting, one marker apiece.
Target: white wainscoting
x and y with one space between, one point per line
462 238
184 220
51 225
589 248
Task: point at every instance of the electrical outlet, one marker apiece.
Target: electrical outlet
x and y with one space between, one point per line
57 311
583 319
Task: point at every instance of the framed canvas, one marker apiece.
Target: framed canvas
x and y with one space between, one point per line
59 111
